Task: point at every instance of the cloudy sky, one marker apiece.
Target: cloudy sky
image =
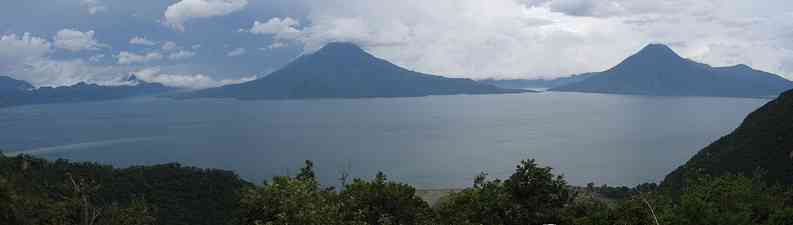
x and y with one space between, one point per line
205 43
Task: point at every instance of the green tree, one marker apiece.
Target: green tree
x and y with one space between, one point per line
588 211
532 195
727 200
9 210
138 212
291 200
538 194
380 202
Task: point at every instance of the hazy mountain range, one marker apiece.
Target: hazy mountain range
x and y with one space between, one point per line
16 92
342 70
658 70
537 83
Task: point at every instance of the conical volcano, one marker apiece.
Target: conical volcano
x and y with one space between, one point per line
658 70
343 70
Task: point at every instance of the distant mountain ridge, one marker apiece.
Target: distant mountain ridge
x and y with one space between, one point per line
763 141
16 92
536 83
658 70
8 84
343 70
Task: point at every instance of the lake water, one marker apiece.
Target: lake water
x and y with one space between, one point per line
430 142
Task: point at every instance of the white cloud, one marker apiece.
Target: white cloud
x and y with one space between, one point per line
192 81
181 54
177 14
96 58
196 47
75 40
125 57
531 38
142 41
66 72
169 45
17 50
93 6
275 45
236 52
281 28
26 57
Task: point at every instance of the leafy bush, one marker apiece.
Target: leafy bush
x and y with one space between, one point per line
301 200
532 195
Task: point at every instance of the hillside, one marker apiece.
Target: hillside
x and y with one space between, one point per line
763 141
17 92
658 70
180 195
341 70
8 84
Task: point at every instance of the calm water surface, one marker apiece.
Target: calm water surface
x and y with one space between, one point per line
431 142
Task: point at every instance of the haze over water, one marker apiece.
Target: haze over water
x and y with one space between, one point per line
431 142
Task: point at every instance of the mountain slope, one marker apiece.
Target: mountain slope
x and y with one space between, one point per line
80 92
8 84
341 70
764 140
658 70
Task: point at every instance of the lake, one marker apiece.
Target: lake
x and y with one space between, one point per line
430 142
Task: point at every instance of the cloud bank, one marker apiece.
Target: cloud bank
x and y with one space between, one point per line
457 38
548 38
132 58
75 40
190 81
177 14
27 57
236 52
142 41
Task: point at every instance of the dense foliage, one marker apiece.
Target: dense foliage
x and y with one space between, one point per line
35 191
302 200
763 141
171 193
724 200
532 195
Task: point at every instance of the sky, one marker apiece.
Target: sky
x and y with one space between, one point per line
207 43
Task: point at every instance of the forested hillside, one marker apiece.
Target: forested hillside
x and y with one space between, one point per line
35 191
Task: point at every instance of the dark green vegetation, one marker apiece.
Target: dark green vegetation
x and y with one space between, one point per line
537 83
301 200
341 70
37 191
763 142
16 92
658 70
532 195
